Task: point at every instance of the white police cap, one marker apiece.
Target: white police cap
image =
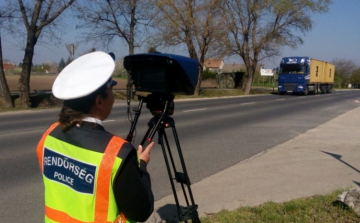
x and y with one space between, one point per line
84 75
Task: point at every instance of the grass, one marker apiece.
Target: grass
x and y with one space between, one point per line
213 93
266 84
319 209
205 93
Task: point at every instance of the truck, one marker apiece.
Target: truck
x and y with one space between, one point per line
304 75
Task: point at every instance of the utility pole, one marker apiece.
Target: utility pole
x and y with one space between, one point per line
71 47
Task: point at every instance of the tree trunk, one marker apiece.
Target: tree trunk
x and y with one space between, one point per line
249 80
201 68
5 94
198 85
24 80
193 55
248 84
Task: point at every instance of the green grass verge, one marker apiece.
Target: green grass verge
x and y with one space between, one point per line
267 84
319 209
206 93
213 93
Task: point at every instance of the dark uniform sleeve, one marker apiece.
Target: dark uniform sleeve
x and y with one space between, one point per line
132 188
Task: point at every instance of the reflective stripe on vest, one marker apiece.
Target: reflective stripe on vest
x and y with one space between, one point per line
40 147
102 183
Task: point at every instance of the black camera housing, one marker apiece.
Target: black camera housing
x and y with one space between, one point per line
163 73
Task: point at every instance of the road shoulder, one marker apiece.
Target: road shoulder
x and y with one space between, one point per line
317 162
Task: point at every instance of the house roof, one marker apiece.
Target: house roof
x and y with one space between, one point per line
8 66
213 63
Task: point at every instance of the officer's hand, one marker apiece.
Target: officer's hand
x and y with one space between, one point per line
145 154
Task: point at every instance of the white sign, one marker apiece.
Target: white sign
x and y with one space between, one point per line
267 72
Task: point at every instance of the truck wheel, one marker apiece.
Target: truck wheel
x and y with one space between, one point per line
323 90
306 92
327 89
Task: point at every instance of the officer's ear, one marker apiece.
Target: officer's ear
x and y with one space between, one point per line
99 102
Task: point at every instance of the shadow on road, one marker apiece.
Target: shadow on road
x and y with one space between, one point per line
338 157
168 213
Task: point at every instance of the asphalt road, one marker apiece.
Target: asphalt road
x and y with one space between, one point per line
214 135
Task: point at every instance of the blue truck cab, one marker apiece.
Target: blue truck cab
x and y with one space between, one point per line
294 75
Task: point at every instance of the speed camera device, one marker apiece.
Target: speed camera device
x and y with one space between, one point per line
163 73
164 76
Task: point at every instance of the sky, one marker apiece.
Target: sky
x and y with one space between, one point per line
335 35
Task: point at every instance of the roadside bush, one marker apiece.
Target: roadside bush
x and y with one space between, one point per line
45 101
207 74
14 71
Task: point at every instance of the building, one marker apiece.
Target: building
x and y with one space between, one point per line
52 69
232 68
214 65
231 76
8 66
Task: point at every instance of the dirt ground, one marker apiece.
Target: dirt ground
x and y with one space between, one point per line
45 82
40 86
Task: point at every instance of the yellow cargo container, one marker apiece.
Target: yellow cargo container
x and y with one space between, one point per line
317 68
321 72
329 73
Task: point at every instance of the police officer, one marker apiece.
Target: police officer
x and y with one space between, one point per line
91 175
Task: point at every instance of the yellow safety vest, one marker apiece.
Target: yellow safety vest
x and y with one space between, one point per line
78 182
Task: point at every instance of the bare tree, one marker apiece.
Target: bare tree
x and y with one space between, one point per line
195 24
6 99
35 15
106 20
5 93
343 71
355 78
259 28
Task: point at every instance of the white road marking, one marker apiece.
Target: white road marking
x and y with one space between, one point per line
109 121
199 109
248 103
280 99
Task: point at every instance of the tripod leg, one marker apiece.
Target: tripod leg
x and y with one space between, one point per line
153 126
137 111
190 211
161 133
146 134
177 141
174 168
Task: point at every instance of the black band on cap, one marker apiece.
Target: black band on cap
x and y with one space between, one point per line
84 104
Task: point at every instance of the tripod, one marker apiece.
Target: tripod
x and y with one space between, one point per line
161 107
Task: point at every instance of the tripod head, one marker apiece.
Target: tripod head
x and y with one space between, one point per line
159 103
161 106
